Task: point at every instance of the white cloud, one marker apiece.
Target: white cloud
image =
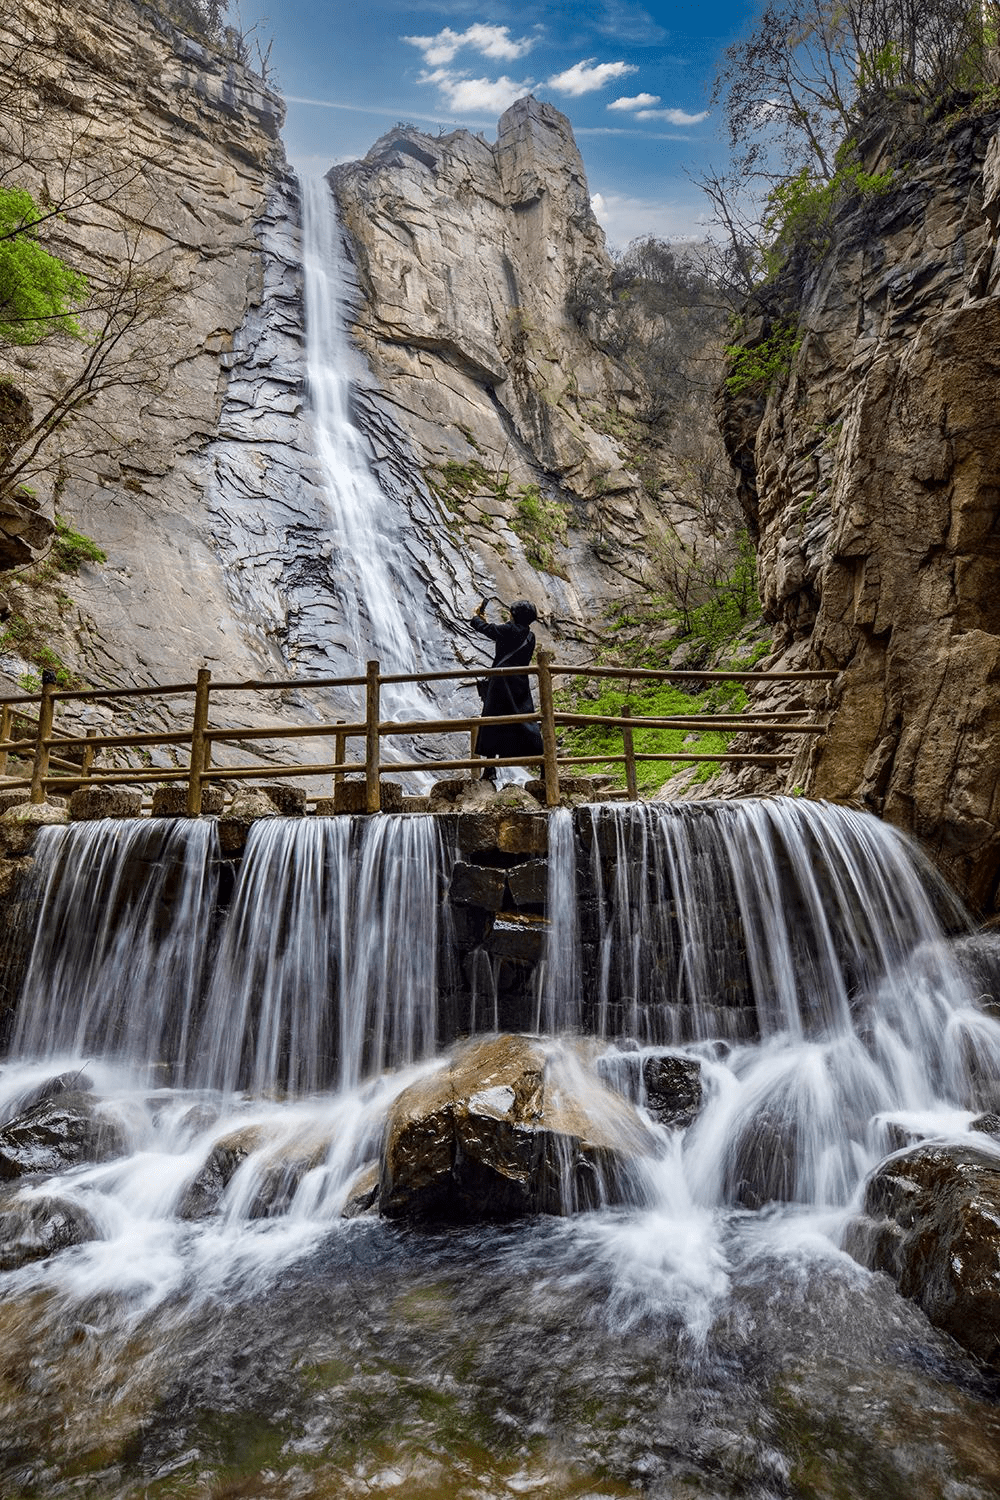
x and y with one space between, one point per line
673 116
584 77
637 101
491 41
624 219
472 95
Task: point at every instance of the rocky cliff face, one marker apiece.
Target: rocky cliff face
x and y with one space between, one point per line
467 257
872 477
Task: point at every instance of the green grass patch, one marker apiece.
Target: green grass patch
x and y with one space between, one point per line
655 700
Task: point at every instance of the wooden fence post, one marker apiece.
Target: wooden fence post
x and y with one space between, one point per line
6 731
373 790
199 757
340 756
88 756
40 769
629 747
547 710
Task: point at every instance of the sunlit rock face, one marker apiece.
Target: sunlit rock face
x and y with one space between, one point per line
467 255
871 474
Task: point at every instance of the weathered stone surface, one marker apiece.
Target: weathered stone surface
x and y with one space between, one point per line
33 1228
204 1193
246 808
290 800
61 1131
77 1082
508 1127
523 833
870 474
477 833
931 1221
529 883
519 936
477 885
171 801
18 825
89 803
349 797
462 794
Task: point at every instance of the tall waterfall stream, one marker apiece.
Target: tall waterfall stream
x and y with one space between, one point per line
687 1345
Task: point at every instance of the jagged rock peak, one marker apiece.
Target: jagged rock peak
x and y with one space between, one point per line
535 149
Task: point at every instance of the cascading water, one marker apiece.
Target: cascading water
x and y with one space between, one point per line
373 569
795 953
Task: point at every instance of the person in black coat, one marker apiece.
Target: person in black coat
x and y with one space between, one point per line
514 646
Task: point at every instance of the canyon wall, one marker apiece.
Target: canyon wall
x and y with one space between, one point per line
872 475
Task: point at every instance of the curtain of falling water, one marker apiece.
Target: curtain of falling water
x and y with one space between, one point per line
325 970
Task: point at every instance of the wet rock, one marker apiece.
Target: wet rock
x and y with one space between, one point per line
988 1124
978 956
60 1132
362 1195
171 801
204 1193
931 1221
518 936
88 803
761 1167
673 1088
18 825
477 833
63 1083
509 1127
529 883
476 885
33 1228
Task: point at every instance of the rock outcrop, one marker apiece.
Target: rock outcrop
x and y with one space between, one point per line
510 1126
931 1221
870 474
468 256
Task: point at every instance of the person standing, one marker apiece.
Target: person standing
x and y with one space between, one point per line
514 646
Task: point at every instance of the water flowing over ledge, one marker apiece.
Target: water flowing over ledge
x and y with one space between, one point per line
233 1040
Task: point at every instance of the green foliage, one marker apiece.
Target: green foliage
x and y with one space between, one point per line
38 291
541 524
801 209
756 367
71 548
21 637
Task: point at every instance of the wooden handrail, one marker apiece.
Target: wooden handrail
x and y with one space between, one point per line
203 735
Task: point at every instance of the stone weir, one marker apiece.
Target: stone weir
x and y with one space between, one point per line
332 948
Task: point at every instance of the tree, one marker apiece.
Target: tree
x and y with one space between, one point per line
39 293
808 81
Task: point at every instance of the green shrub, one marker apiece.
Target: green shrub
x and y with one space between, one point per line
71 549
758 366
541 524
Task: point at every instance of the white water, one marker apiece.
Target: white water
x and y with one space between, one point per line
325 972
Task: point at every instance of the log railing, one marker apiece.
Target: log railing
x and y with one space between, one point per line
65 760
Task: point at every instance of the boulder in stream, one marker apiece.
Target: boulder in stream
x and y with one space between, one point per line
64 1130
931 1221
511 1125
33 1227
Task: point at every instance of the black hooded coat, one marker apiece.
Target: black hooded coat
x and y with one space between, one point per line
514 646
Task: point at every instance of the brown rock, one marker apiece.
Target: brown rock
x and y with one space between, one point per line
509 1127
349 797
89 803
18 825
523 833
931 1221
519 936
477 885
171 801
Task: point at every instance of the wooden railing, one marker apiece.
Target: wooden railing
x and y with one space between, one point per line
65 761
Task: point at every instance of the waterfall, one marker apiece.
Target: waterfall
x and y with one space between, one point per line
375 577
323 972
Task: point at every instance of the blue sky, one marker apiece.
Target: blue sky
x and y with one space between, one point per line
634 80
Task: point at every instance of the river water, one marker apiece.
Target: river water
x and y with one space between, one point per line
692 1345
